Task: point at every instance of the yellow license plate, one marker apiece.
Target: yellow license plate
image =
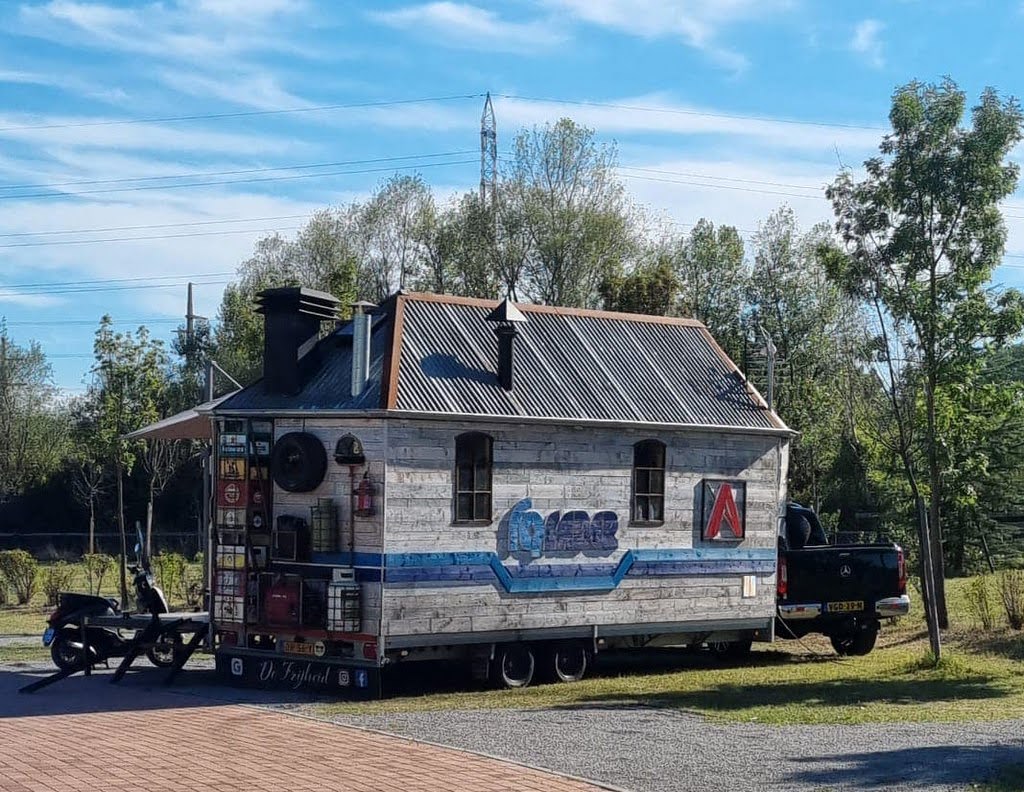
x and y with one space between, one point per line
295 647
845 607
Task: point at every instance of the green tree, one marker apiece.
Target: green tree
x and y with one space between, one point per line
713 280
650 289
34 430
127 394
923 232
816 332
563 198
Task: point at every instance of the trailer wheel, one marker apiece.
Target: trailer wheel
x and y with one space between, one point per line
730 650
514 665
569 661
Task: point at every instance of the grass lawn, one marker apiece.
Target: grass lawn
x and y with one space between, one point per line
24 654
981 678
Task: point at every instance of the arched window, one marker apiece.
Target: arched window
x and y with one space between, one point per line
648 482
473 477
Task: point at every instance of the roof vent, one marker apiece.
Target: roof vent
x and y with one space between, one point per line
506 316
291 327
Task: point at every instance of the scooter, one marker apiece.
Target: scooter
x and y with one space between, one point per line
64 633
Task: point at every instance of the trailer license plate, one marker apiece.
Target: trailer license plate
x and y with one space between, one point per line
848 606
295 647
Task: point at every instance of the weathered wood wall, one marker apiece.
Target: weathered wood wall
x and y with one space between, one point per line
561 468
338 485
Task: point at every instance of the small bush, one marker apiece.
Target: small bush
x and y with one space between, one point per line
57 577
20 572
3 591
1011 590
97 567
167 568
979 600
192 582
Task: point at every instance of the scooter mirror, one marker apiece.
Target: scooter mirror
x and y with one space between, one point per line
138 547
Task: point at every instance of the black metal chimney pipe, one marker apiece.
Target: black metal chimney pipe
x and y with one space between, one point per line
506 350
506 316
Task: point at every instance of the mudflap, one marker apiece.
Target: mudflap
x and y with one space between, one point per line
300 674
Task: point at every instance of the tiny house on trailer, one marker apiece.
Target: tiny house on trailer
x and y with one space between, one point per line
514 486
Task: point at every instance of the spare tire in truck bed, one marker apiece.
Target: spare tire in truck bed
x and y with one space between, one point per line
298 462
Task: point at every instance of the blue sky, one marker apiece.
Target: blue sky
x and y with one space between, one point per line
720 83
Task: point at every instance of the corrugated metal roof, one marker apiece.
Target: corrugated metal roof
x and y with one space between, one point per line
328 385
569 365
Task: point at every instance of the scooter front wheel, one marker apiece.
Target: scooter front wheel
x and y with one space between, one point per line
67 652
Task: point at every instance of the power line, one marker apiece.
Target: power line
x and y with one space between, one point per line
139 188
158 236
153 226
116 280
244 114
680 111
91 290
62 322
199 174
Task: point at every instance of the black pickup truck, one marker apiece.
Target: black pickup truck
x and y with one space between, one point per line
840 590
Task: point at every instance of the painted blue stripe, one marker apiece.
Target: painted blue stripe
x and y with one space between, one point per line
475 568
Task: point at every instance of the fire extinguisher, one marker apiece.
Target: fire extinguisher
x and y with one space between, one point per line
364 496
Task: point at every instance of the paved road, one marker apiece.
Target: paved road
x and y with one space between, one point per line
635 748
650 750
133 736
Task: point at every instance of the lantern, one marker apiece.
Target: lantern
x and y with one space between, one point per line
364 496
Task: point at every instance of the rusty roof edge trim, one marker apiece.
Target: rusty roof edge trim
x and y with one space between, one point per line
784 432
479 302
389 395
754 392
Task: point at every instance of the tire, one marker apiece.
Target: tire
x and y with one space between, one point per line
568 661
514 665
66 651
165 652
298 462
858 643
731 650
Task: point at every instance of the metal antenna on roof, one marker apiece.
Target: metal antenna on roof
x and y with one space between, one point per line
488 154
770 351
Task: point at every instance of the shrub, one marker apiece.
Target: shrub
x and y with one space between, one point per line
167 568
97 566
192 582
20 572
979 599
1011 590
57 577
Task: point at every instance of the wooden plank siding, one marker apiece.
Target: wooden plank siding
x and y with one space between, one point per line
563 468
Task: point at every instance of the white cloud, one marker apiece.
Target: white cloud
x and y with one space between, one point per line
464 25
866 42
662 115
698 23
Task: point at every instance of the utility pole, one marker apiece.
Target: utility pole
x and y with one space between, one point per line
488 155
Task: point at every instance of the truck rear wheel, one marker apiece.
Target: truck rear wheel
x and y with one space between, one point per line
514 665
857 643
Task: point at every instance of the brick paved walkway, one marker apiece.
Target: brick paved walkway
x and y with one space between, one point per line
174 744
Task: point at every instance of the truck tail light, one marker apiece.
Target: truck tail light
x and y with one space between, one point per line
783 579
901 571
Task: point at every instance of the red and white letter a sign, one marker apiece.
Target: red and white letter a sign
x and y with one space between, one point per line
724 509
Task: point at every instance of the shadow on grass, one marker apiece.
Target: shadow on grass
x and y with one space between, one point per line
910 768
728 697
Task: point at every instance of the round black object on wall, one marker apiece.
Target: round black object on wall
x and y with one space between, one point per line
298 462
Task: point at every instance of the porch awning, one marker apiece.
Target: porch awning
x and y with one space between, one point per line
190 424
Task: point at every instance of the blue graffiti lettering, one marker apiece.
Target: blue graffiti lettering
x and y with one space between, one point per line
570 531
